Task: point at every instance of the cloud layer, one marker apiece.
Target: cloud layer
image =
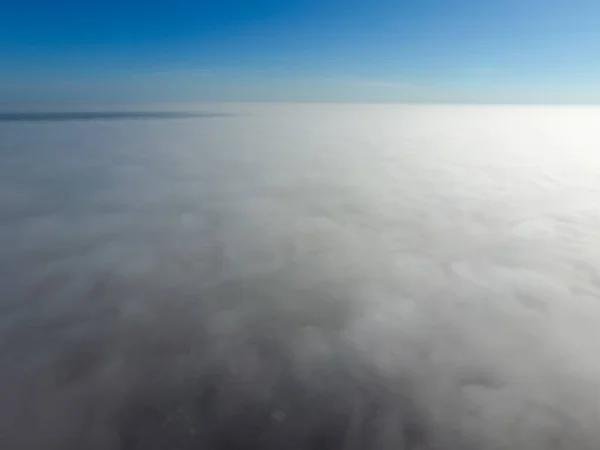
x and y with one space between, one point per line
297 276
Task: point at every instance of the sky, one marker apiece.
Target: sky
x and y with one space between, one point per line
514 51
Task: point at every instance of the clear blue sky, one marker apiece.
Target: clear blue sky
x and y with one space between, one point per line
300 50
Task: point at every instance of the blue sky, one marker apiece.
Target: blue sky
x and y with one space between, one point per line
527 51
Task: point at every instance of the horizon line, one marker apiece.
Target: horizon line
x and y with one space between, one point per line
20 104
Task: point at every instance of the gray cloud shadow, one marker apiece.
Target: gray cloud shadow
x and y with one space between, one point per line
61 116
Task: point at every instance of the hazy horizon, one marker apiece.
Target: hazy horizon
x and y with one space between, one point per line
192 105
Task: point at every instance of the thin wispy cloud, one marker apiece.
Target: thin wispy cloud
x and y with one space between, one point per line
376 83
367 82
381 84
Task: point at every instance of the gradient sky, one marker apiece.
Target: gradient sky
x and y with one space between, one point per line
519 51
